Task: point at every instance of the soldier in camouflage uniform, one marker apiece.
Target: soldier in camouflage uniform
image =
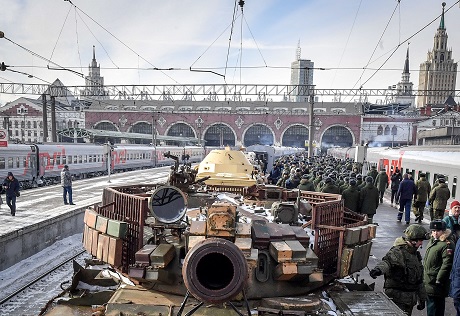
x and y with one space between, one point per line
373 172
437 264
306 184
439 196
381 182
330 187
369 199
403 270
423 192
351 196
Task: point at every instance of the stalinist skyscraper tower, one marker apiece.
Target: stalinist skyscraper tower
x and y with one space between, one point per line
438 74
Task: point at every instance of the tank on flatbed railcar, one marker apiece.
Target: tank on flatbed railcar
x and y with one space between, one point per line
228 251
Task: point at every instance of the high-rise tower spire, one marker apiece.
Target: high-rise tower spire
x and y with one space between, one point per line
439 71
441 23
298 51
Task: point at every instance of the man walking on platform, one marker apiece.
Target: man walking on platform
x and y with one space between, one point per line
381 182
11 187
396 179
438 197
423 192
66 183
407 190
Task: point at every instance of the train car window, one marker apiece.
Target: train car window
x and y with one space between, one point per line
454 187
75 159
64 159
2 162
85 158
428 176
10 162
80 158
51 161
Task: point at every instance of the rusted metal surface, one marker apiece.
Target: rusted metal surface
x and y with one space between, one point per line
215 270
128 204
365 303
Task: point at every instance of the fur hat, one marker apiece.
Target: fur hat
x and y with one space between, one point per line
10 174
369 179
438 224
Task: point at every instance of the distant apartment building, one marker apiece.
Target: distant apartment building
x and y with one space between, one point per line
438 74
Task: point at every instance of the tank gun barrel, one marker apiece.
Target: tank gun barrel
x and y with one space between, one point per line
201 180
215 270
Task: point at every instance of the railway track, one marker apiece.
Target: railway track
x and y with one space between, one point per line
30 297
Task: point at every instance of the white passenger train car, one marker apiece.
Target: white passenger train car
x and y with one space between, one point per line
269 154
42 163
431 160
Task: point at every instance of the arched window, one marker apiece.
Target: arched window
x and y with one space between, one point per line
387 130
380 130
394 130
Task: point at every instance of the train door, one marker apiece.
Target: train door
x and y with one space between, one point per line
32 163
428 176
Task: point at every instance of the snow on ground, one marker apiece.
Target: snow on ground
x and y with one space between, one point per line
23 272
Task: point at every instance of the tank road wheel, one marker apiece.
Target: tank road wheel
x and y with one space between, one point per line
215 270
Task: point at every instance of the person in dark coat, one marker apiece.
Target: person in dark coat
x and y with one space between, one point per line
351 196
438 197
330 187
452 221
455 279
275 174
369 199
11 188
407 190
306 184
403 270
437 264
396 179
373 172
423 192
381 182
66 183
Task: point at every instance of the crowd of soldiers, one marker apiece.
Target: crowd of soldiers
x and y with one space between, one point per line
409 280
326 174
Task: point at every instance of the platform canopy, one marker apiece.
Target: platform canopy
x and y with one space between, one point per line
76 133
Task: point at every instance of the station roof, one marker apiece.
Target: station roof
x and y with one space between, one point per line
82 132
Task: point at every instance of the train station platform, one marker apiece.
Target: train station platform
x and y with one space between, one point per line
42 218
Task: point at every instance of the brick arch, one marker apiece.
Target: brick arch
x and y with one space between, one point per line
248 142
301 141
108 122
213 143
177 123
341 141
130 129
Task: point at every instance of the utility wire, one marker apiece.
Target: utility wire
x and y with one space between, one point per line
59 36
348 40
121 42
376 46
230 37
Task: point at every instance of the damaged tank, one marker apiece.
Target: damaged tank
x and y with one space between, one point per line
258 250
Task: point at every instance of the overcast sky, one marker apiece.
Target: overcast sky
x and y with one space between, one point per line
341 36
